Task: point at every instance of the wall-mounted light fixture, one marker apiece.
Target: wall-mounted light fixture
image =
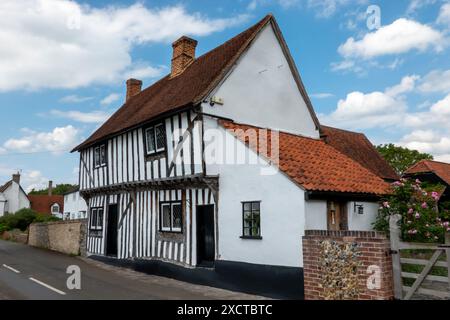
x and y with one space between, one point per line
358 208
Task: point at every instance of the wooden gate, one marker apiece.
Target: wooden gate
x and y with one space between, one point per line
406 292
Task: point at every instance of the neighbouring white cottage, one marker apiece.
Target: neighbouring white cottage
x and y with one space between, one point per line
12 196
223 164
75 206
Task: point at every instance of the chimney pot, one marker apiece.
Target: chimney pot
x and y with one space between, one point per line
183 54
134 87
50 187
16 178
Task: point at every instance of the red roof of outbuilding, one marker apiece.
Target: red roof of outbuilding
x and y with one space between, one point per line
43 203
313 164
441 169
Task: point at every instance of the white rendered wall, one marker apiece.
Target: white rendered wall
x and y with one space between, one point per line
316 215
261 91
282 212
362 222
73 204
16 198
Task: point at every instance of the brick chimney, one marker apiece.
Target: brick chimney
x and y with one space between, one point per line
50 187
134 86
183 55
16 178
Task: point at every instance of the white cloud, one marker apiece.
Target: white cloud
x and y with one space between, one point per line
74 99
253 4
401 36
360 110
323 95
428 141
113 97
436 81
444 15
416 5
85 117
33 179
58 140
29 178
143 71
63 44
327 8
368 110
407 84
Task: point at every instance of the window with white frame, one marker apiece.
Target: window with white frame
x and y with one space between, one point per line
96 219
171 217
100 156
55 208
155 137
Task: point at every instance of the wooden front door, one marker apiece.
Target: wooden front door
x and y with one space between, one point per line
205 235
111 235
337 216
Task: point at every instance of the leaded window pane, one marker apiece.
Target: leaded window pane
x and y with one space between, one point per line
150 137
160 137
97 157
102 155
100 218
166 216
177 216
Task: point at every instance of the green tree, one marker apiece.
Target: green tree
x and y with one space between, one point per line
401 158
57 190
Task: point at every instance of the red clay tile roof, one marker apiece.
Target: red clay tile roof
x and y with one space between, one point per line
356 146
441 169
188 89
315 165
43 203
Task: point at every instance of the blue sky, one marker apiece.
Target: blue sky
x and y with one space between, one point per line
63 65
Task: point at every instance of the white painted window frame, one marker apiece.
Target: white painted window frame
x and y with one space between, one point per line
171 228
97 156
150 132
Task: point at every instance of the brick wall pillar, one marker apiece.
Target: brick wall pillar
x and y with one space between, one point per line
347 265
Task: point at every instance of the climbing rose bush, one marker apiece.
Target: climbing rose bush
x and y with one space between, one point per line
421 218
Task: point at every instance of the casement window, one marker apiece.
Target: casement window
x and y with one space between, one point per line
251 220
171 217
55 208
155 137
100 156
96 219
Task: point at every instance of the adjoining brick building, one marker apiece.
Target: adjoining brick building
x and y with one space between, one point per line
49 204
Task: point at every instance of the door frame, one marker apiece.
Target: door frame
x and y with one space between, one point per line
199 262
107 234
341 215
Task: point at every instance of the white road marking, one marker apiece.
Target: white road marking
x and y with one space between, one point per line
47 286
11 268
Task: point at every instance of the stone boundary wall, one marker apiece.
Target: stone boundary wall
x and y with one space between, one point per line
67 236
347 265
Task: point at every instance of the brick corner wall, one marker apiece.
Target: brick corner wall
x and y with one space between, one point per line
339 264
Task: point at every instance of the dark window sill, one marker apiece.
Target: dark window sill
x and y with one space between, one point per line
173 232
155 156
251 237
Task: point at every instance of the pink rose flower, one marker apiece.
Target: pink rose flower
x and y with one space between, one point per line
417 215
424 205
410 211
